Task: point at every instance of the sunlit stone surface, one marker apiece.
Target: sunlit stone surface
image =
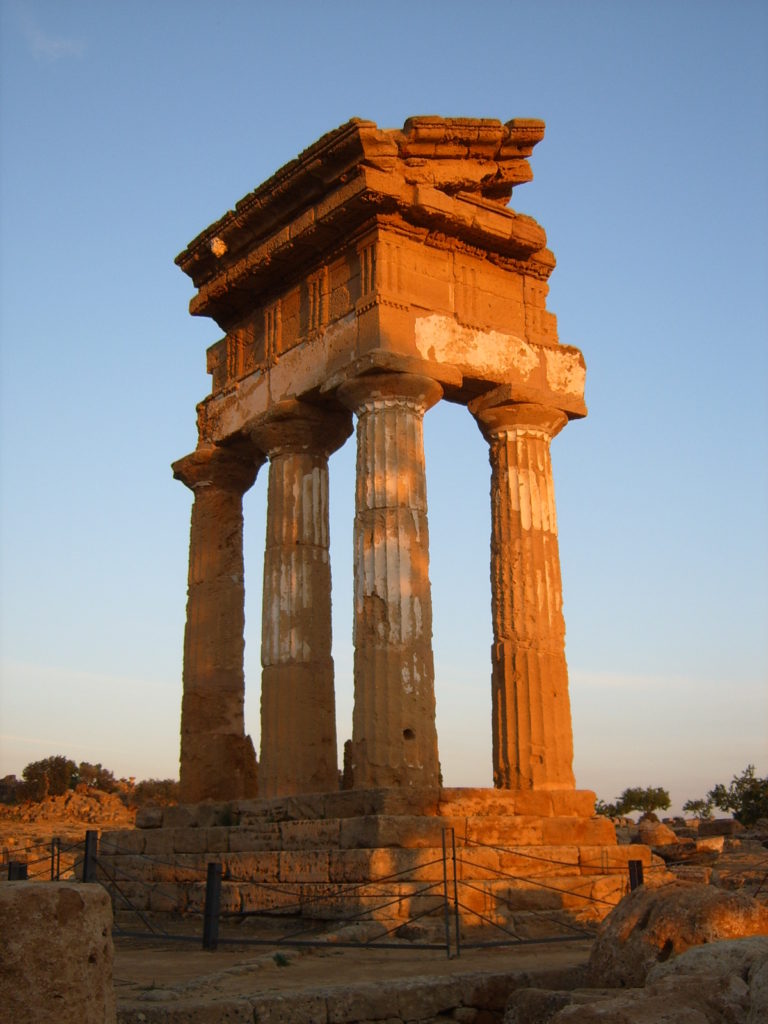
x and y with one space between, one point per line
378 273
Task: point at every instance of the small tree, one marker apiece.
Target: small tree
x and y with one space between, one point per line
698 808
11 789
746 796
158 791
645 800
96 777
608 810
52 776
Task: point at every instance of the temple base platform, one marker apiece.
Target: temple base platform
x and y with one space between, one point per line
525 861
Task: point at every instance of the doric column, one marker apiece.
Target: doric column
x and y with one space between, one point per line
532 735
217 758
298 709
394 739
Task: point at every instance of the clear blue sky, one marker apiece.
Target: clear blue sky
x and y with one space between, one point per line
129 127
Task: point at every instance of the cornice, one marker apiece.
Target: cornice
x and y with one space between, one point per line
449 175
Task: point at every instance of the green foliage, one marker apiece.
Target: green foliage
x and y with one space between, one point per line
635 799
608 810
645 800
52 776
746 797
156 791
11 790
96 777
698 808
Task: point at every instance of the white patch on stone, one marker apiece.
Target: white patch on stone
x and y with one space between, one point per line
442 339
565 371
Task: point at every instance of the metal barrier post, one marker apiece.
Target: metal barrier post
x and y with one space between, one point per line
446 905
635 874
212 907
17 871
456 896
89 858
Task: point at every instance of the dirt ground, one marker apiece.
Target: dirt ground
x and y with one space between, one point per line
168 972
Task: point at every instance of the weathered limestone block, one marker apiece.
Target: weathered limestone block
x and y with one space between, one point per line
56 954
267 837
217 758
394 740
596 831
252 867
382 830
579 803
501 831
310 835
607 858
298 709
532 735
651 925
371 865
304 865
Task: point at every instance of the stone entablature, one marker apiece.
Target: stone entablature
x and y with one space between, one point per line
377 273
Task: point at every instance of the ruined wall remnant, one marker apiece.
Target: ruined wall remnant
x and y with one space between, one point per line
376 274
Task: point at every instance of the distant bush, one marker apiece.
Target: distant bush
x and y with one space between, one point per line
11 790
698 808
95 777
52 776
608 810
154 791
635 799
746 796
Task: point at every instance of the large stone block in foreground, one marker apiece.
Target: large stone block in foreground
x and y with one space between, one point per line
55 954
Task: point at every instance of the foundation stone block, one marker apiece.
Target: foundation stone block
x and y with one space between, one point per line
56 954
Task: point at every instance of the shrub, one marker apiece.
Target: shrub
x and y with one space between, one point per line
746 796
52 776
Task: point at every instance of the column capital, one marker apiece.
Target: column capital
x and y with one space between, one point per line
227 469
524 417
370 389
297 426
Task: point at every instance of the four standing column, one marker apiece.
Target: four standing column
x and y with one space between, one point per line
394 738
298 711
217 758
532 734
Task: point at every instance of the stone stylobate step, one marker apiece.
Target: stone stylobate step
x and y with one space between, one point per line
532 736
394 739
298 712
217 758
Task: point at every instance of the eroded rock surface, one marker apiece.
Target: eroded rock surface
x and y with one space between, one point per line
715 983
56 954
650 926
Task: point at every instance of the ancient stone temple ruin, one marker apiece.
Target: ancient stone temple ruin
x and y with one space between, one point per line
377 274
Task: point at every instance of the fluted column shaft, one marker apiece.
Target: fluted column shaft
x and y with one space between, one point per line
394 738
298 710
217 758
532 733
